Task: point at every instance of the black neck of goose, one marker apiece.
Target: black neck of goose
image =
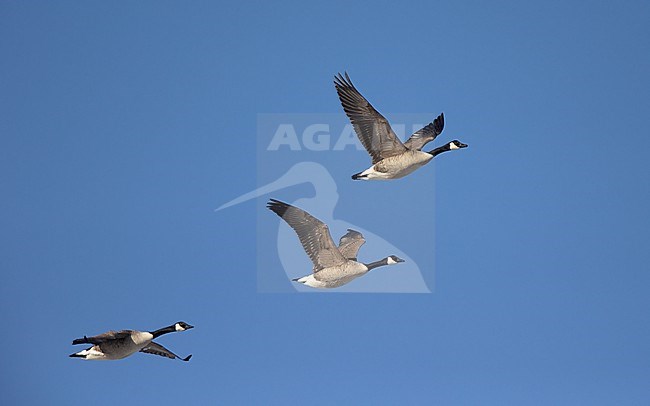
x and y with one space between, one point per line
440 150
377 264
164 330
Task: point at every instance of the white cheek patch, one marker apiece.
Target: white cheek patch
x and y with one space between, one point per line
178 327
391 261
453 146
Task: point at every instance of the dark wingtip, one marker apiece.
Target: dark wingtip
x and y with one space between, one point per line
273 203
277 207
439 123
343 81
80 341
338 80
186 358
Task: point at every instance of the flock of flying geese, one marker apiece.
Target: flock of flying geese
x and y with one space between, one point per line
333 265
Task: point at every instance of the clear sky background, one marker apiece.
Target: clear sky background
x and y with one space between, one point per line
125 125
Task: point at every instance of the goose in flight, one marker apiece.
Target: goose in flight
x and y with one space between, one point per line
120 344
391 159
333 266
323 203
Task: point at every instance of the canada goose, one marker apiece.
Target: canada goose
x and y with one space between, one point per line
333 266
323 201
391 159
120 344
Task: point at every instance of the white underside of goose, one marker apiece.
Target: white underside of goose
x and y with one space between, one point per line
118 349
335 276
395 167
309 280
93 353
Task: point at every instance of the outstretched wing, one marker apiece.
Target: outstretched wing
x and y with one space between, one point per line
426 134
314 235
157 349
102 338
372 128
350 243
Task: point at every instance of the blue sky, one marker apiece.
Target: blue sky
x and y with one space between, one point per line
125 125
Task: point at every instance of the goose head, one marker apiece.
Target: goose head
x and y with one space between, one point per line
182 326
455 144
393 259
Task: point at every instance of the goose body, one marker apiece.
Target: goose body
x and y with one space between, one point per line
395 167
391 159
335 276
333 265
114 345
